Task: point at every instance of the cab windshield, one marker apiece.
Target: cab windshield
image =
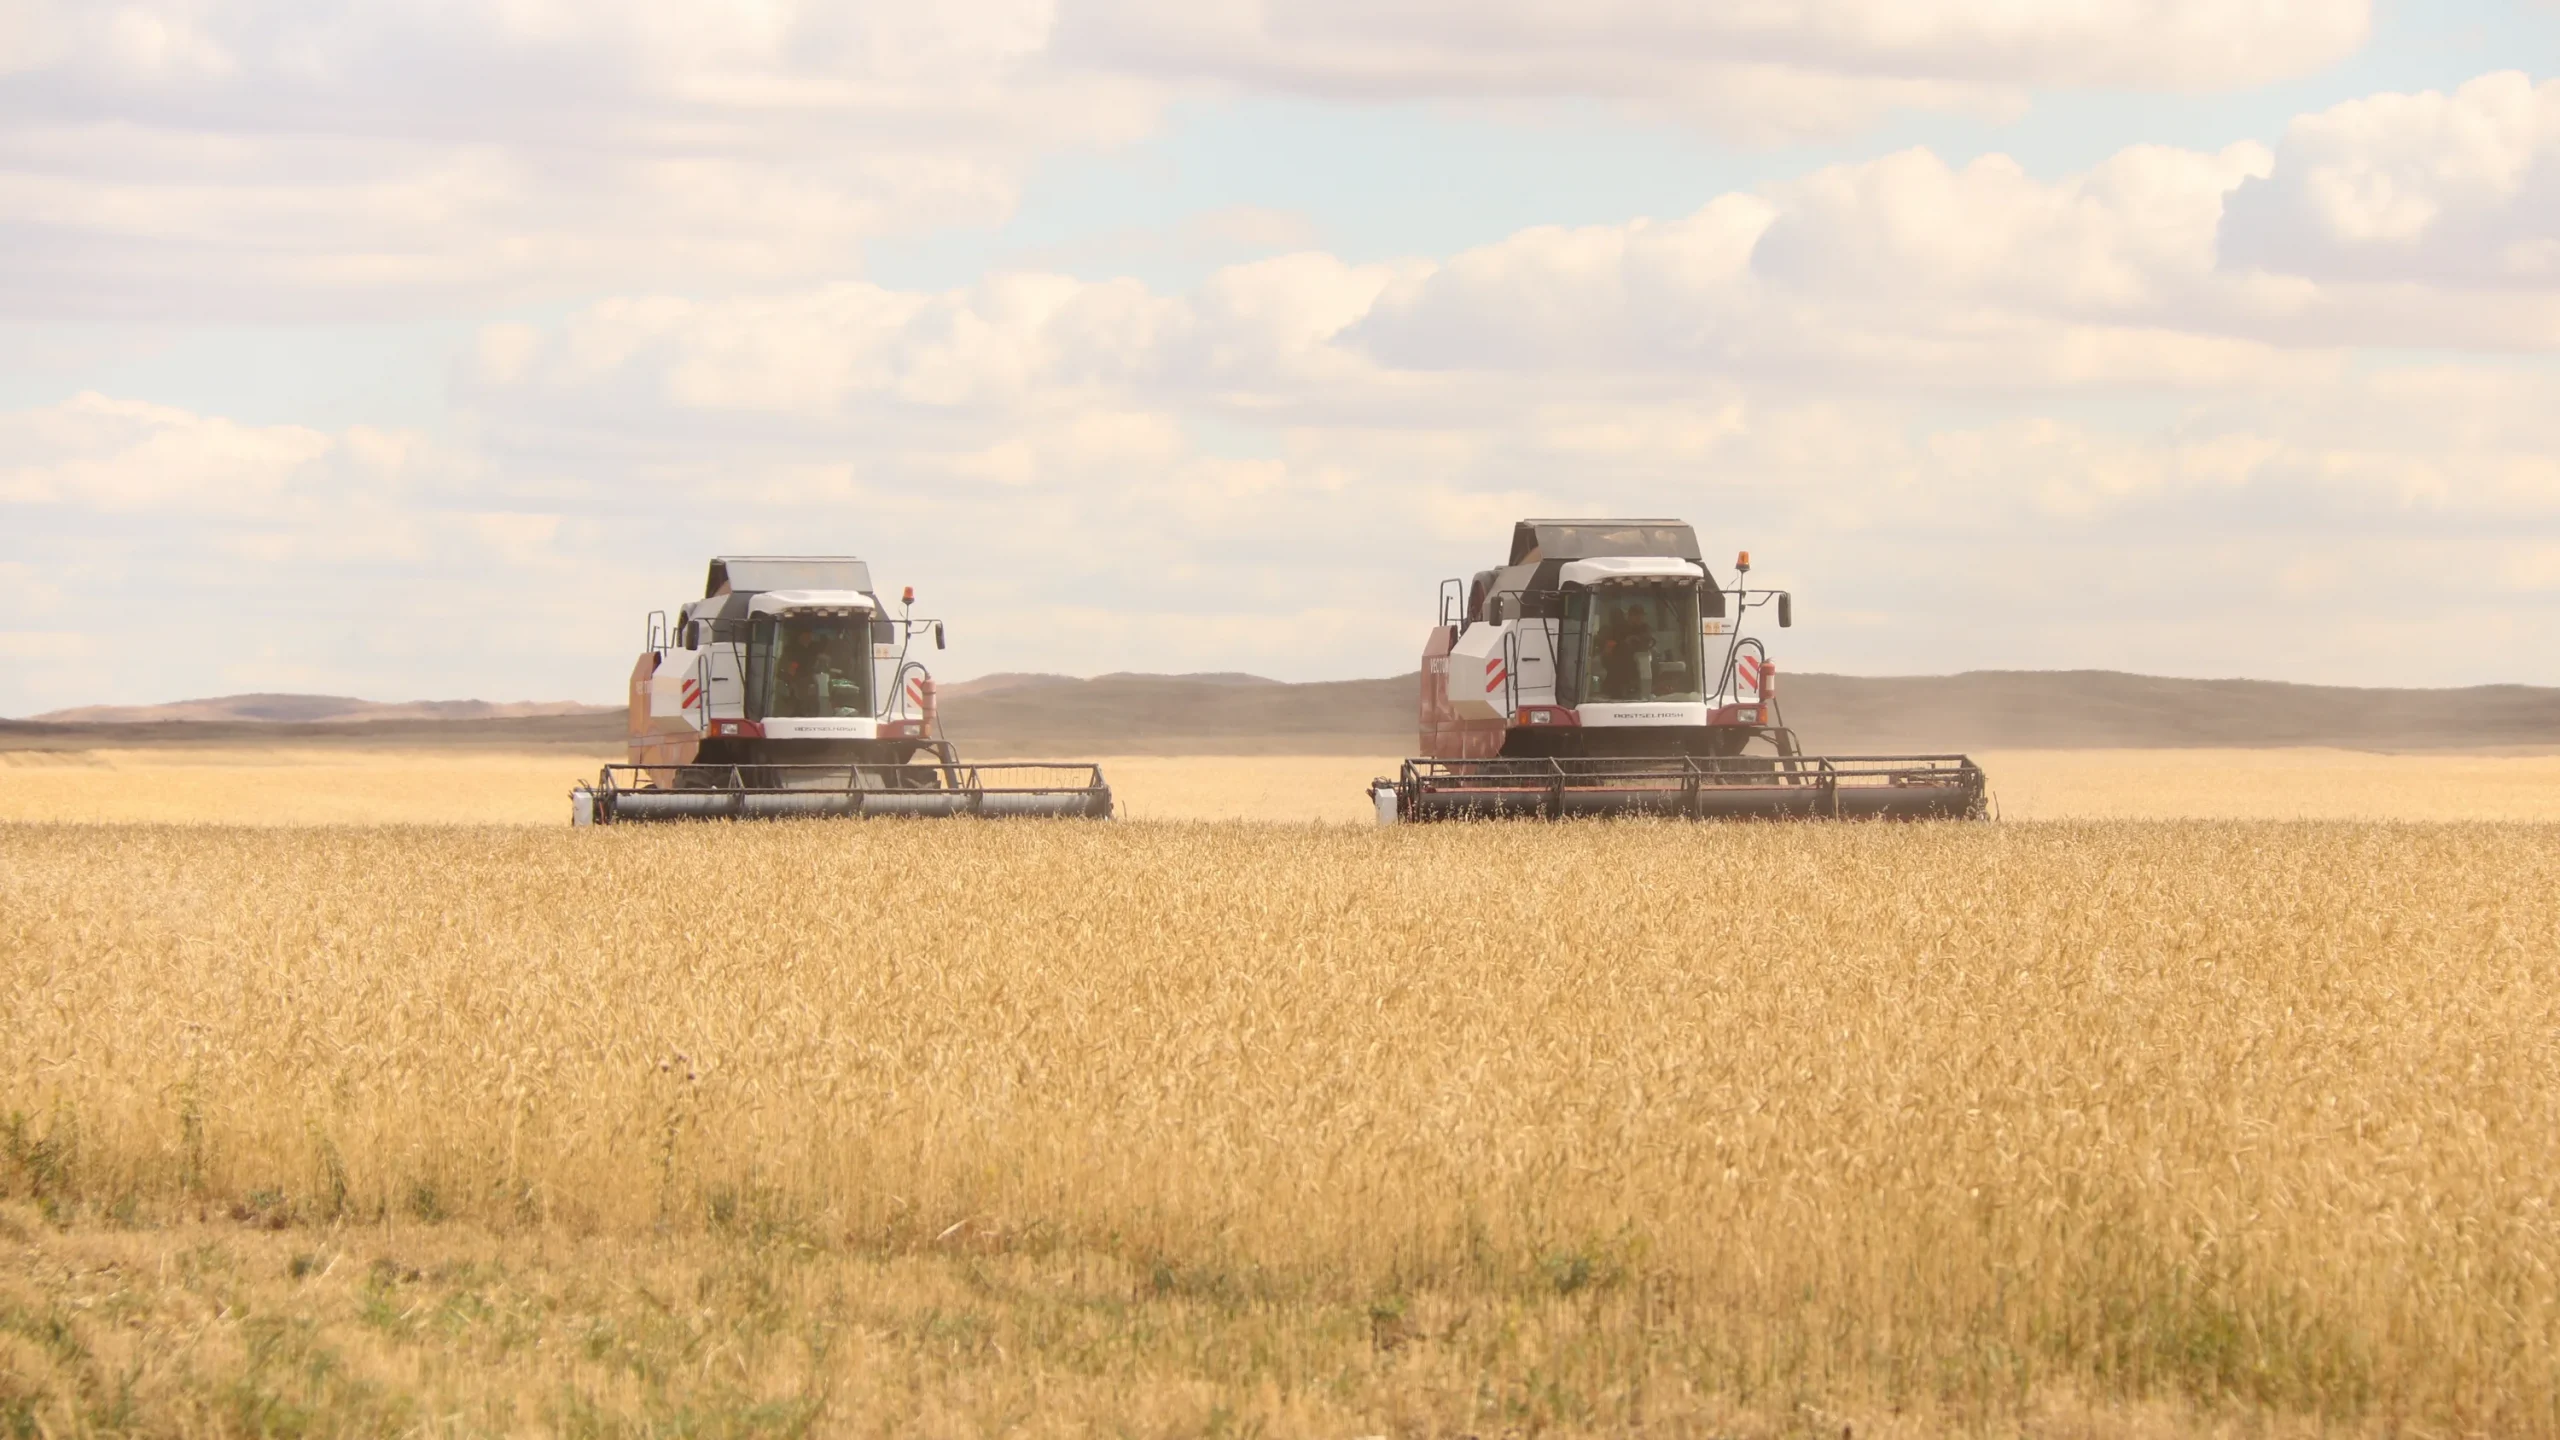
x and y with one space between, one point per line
1641 643
812 666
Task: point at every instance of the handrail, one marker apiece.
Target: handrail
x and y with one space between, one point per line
1732 664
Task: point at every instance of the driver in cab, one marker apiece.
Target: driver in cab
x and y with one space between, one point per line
1625 643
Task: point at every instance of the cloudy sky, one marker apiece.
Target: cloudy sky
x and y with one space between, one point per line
416 348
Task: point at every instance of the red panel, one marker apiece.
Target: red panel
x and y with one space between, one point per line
1444 735
648 748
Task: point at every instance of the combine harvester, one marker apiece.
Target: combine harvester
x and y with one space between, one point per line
1604 672
788 690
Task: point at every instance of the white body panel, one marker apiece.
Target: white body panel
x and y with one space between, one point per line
1533 648
783 602
675 689
699 686
724 679
822 727
1629 567
1478 688
1651 712
1493 667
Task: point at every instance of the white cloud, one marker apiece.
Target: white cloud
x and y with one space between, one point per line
238 157
2459 190
261 158
1900 274
1919 391
1222 235
1009 342
1974 416
202 554
24 592
1811 67
1904 270
1145 525
92 452
1909 232
44 644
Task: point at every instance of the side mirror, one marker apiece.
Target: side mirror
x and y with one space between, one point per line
1786 610
937 635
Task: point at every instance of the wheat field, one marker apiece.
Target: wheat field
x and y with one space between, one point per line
2070 1128
247 785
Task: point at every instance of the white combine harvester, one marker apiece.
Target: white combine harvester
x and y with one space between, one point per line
1603 671
789 690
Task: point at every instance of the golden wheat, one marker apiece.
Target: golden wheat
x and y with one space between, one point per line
1579 1128
257 786
2302 784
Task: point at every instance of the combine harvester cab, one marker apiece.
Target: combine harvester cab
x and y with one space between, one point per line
789 690
1603 671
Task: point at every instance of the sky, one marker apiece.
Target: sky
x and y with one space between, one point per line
418 348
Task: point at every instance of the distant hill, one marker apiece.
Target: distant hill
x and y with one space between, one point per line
1003 680
2106 709
313 709
1032 715
1840 714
